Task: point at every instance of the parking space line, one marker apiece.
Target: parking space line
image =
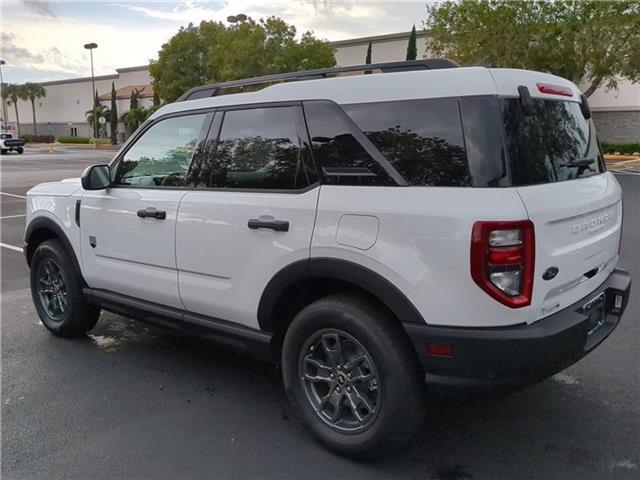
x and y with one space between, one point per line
10 247
12 195
13 216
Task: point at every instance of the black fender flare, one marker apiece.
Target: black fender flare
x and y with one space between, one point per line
332 268
46 223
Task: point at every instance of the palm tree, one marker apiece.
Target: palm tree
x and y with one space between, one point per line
33 91
14 93
135 117
101 112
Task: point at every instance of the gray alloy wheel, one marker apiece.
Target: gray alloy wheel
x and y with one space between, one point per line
52 290
340 381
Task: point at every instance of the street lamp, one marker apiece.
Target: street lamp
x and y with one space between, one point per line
90 47
4 103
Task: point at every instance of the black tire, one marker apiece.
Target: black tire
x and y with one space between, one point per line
56 290
396 398
3 152
20 150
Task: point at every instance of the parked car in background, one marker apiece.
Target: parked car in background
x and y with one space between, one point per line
425 222
10 141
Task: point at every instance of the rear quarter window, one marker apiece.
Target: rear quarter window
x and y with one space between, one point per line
422 139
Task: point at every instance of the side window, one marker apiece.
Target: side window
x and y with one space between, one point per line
484 140
342 158
421 139
260 148
162 155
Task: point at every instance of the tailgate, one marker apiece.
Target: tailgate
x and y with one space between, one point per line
577 230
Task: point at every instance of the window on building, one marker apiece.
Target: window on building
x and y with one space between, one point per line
162 155
260 148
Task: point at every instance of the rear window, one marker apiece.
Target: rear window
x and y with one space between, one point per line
554 144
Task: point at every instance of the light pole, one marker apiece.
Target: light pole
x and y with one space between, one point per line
4 103
90 47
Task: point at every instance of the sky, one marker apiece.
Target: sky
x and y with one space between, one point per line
43 40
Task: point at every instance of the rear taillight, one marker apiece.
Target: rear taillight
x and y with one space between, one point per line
502 260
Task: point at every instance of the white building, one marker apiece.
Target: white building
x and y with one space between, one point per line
62 112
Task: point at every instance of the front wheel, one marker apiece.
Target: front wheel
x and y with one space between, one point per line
351 373
20 150
57 292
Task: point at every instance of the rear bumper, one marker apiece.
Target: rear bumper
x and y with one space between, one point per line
13 144
523 354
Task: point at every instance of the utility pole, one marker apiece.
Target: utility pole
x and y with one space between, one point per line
90 47
4 103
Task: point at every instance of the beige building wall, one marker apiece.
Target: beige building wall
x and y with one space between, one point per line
67 101
388 48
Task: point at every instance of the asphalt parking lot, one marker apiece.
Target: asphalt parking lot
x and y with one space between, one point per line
132 401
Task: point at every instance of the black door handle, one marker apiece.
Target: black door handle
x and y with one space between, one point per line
276 225
152 213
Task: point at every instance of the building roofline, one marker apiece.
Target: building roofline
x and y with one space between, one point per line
132 69
112 76
375 38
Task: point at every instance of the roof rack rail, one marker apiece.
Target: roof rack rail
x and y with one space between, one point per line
213 89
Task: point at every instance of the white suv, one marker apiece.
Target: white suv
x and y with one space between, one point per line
370 232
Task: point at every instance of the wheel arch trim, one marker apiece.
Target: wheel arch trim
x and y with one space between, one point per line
46 223
334 269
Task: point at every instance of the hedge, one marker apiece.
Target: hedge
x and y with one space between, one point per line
38 138
623 148
84 140
67 139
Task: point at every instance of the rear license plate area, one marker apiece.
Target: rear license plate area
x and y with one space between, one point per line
599 324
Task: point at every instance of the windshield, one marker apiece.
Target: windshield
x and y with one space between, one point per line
556 143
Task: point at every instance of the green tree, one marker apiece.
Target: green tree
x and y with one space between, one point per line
215 52
14 93
133 100
367 59
113 116
99 111
412 48
592 43
34 91
135 117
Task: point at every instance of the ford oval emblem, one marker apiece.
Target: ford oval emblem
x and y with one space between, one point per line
550 273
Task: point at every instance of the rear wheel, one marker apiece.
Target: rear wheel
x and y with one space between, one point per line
3 151
353 377
20 150
57 292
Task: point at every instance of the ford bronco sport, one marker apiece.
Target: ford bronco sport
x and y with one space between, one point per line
376 234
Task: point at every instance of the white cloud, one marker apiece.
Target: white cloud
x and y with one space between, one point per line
40 7
131 34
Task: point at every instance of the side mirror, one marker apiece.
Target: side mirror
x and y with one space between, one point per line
96 177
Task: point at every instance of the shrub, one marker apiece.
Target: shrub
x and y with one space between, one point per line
100 141
67 139
38 138
85 140
624 148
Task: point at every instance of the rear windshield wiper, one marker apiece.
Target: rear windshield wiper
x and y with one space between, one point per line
579 163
